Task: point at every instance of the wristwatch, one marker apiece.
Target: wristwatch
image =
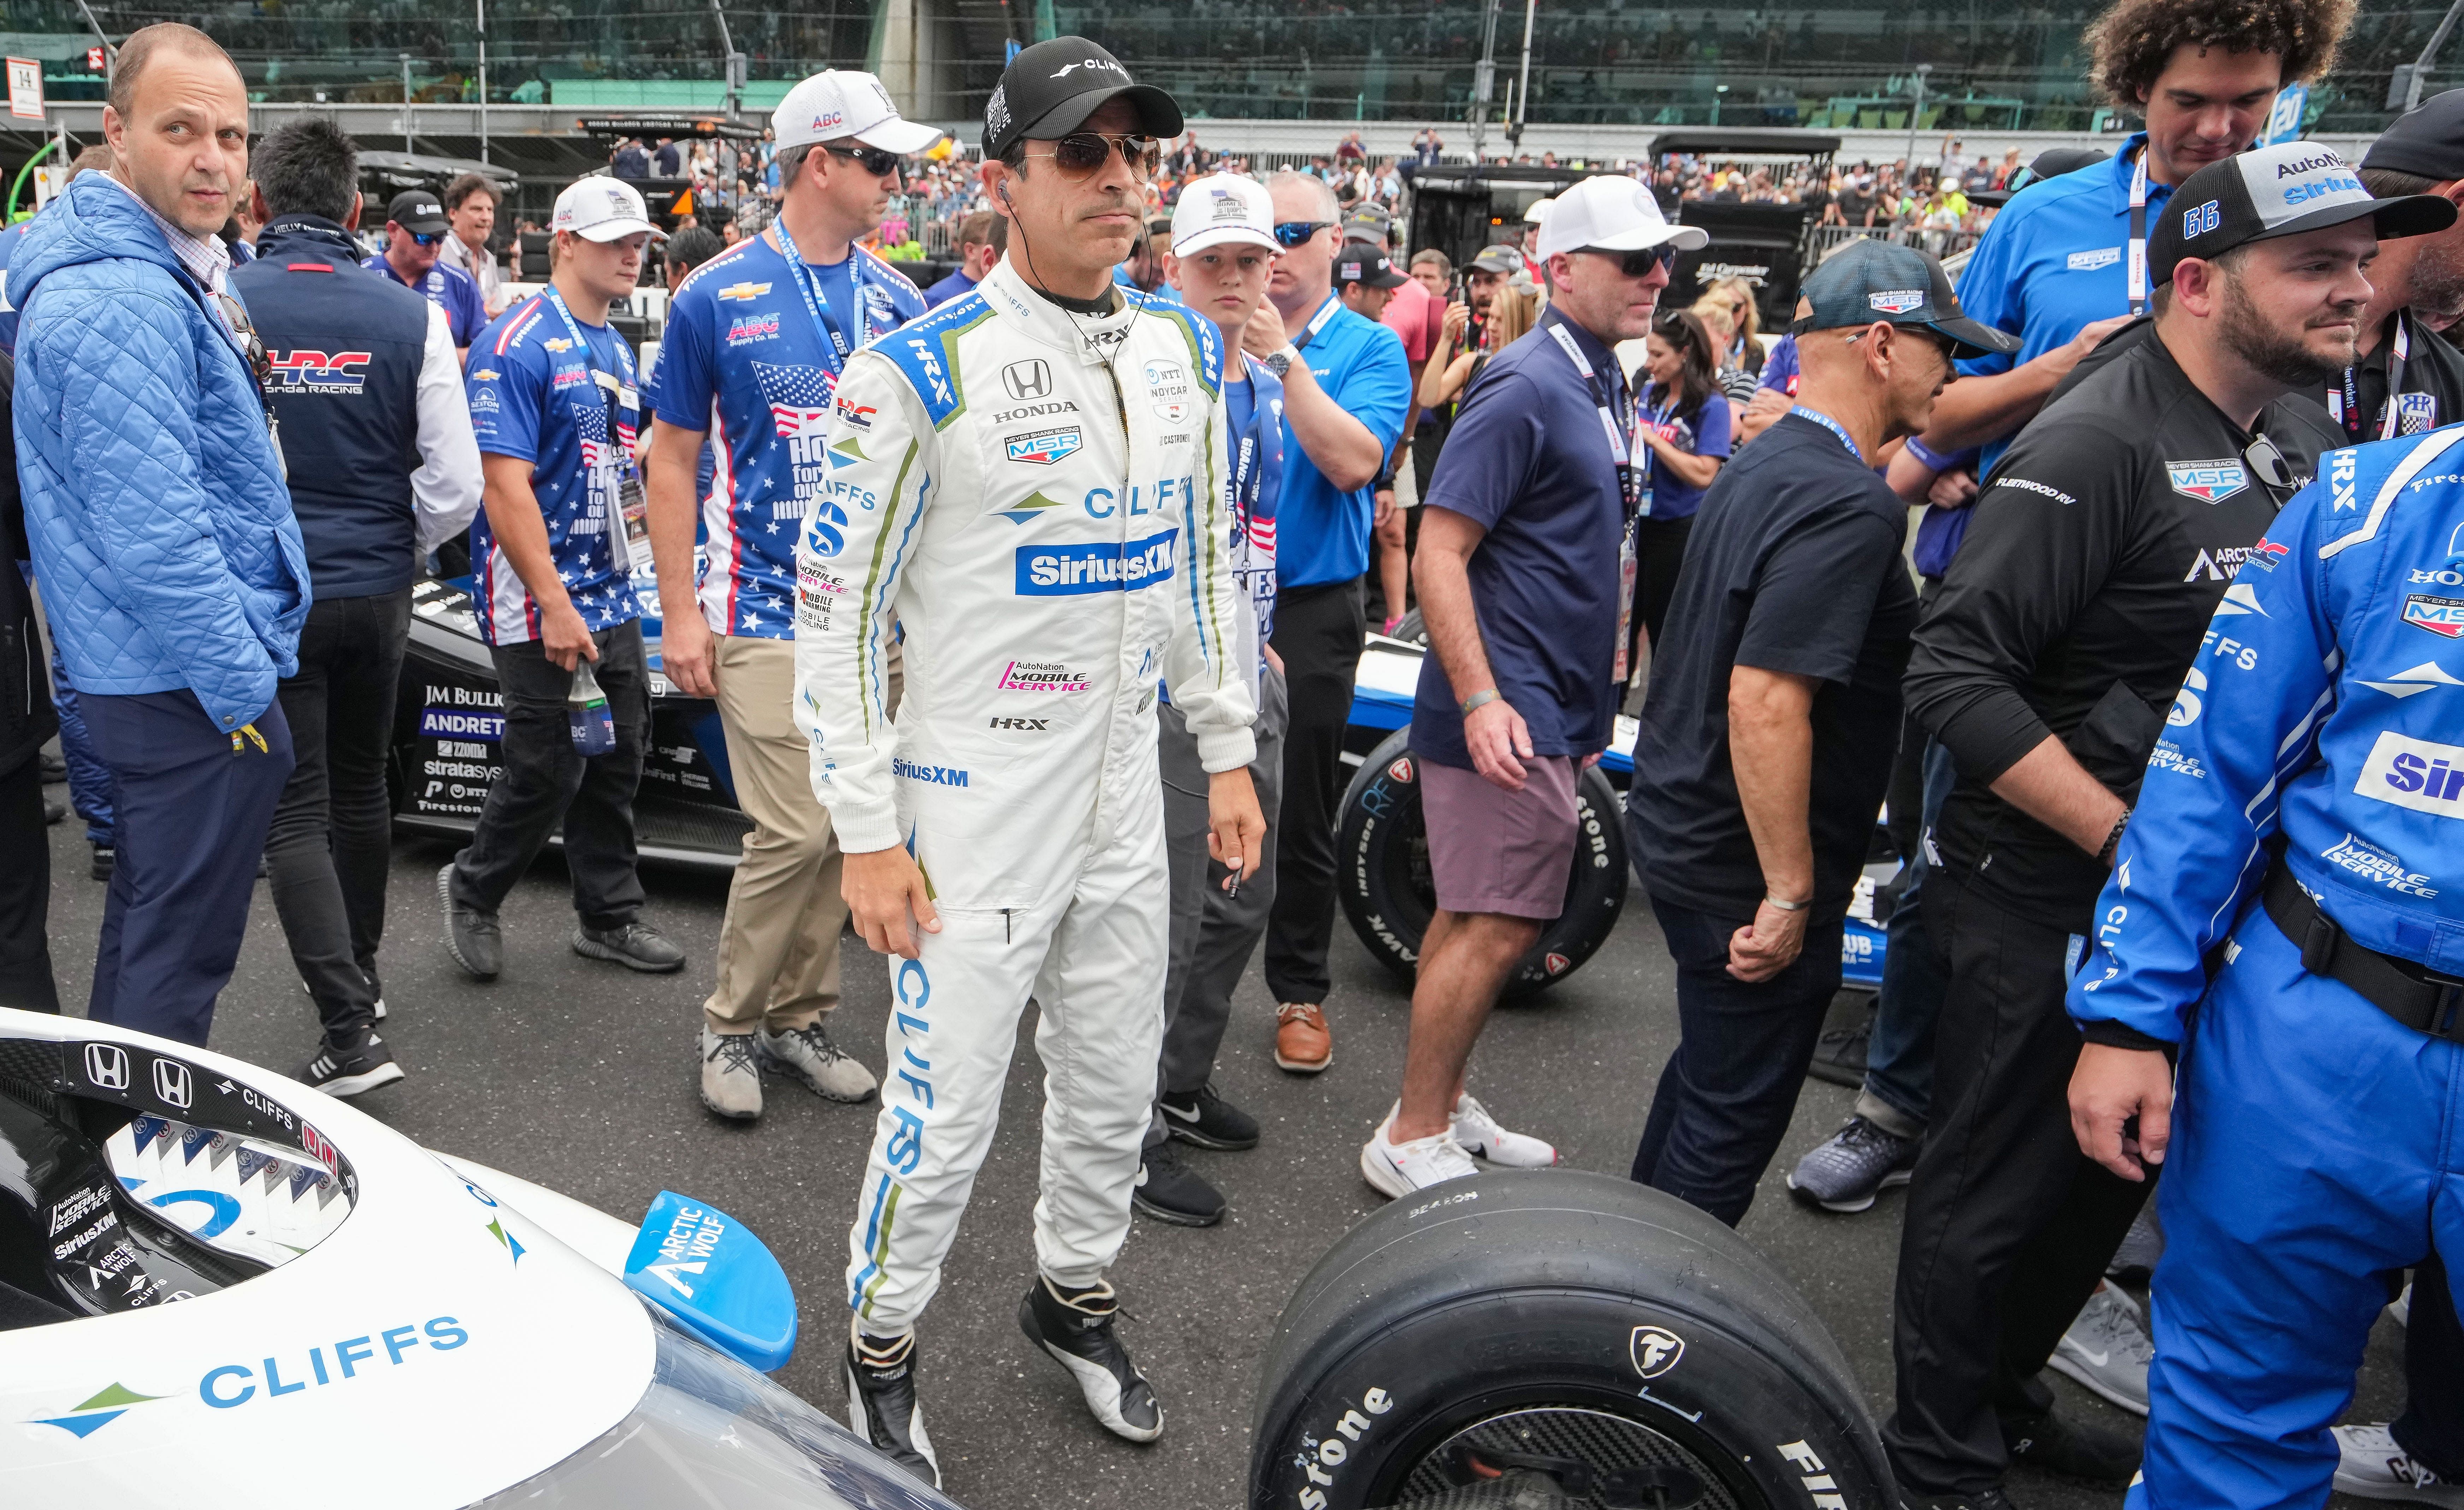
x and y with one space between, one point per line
1280 360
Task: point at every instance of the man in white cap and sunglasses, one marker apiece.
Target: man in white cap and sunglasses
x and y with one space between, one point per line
1028 485
756 340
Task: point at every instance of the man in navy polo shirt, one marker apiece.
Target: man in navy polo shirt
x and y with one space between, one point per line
1345 384
756 340
2064 264
415 233
1531 499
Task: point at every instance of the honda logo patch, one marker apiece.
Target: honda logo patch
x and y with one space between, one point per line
172 1082
1028 379
106 1065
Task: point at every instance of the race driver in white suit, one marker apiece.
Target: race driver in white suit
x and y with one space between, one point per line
1024 486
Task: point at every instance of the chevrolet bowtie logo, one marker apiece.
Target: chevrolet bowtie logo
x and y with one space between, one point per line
743 291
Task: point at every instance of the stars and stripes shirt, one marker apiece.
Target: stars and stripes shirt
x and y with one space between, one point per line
532 397
743 360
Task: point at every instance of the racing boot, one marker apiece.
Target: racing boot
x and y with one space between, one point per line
881 1401
1075 1327
1479 1135
806 1054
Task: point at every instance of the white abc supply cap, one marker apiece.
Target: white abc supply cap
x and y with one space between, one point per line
1612 213
842 104
1221 208
600 208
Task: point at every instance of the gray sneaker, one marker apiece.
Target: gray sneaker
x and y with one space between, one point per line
2106 1350
731 1076
1844 1171
2134 1262
807 1054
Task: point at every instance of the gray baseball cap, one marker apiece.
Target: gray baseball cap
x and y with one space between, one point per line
1871 279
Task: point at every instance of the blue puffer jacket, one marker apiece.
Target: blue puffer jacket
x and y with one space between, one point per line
162 531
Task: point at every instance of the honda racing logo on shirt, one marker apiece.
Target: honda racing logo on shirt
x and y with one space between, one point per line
2418 774
319 371
1028 379
2209 481
1897 301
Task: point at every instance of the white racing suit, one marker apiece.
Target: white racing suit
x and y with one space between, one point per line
1027 496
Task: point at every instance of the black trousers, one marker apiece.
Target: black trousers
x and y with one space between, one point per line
1658 551
26 980
2009 1226
1726 1094
1317 632
193 801
327 854
2431 1430
548 781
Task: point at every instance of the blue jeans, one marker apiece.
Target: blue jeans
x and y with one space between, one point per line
1726 1095
90 789
1898 1058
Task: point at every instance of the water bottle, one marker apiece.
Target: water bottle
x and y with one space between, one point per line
594 725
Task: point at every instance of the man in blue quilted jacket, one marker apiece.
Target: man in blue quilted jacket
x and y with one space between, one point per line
162 529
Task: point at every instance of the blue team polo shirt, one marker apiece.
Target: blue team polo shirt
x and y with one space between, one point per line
449 289
1528 461
745 359
1321 534
2057 259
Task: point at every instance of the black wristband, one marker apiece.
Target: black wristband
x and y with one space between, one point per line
1385 482
2113 841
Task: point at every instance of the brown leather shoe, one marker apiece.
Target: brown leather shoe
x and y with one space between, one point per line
1302 1043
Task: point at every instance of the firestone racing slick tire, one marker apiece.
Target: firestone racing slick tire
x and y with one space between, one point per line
1382 863
1529 1338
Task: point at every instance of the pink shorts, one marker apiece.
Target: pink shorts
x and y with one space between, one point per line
1491 850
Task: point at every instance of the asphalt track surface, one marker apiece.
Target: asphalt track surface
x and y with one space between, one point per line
581 1075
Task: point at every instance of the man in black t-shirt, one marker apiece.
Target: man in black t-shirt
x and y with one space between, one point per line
2102 548
1774 710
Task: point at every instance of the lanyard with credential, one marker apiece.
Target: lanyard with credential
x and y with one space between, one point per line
1831 425
1317 322
615 396
2139 233
1616 424
818 306
2347 404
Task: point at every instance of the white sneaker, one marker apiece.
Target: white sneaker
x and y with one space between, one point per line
1398 1168
1479 1134
2374 1467
2401 1307
2106 1350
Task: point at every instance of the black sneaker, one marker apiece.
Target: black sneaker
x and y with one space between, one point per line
1205 1119
881 1403
55 811
635 946
1993 1498
2057 1444
56 769
1171 1191
1077 1331
1839 1055
471 936
349 1072
105 858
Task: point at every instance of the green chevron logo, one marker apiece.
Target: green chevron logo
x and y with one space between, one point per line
1029 507
96 1412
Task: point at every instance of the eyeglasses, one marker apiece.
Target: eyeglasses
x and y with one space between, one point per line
872 160
1638 262
1290 233
2268 461
251 346
1083 153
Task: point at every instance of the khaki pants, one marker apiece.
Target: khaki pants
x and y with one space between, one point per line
779 947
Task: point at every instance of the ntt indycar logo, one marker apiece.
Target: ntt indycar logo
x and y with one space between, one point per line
1063 570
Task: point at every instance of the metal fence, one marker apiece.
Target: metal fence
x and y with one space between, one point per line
1944 244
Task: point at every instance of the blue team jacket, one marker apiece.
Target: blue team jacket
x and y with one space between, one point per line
2326 707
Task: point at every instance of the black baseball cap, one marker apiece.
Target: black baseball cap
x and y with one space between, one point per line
1870 279
1049 89
417 210
1359 262
2428 140
2282 190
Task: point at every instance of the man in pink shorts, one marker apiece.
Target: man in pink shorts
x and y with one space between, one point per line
1518 578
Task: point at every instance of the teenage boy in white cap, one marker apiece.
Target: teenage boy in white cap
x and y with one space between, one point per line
1533 494
1222 251
755 342
554 401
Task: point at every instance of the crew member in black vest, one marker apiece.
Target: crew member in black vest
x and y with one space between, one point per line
367 394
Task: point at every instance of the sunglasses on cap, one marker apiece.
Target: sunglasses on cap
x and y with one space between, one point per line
872 160
1638 262
1084 153
1297 233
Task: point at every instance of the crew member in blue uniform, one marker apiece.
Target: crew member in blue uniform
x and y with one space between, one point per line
415 233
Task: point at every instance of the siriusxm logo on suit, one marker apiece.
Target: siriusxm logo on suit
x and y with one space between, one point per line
1106 567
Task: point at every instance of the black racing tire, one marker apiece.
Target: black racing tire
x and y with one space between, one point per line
1382 871
1554 1315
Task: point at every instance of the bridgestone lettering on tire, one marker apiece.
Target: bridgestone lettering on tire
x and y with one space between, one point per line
1561 1317
1382 871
